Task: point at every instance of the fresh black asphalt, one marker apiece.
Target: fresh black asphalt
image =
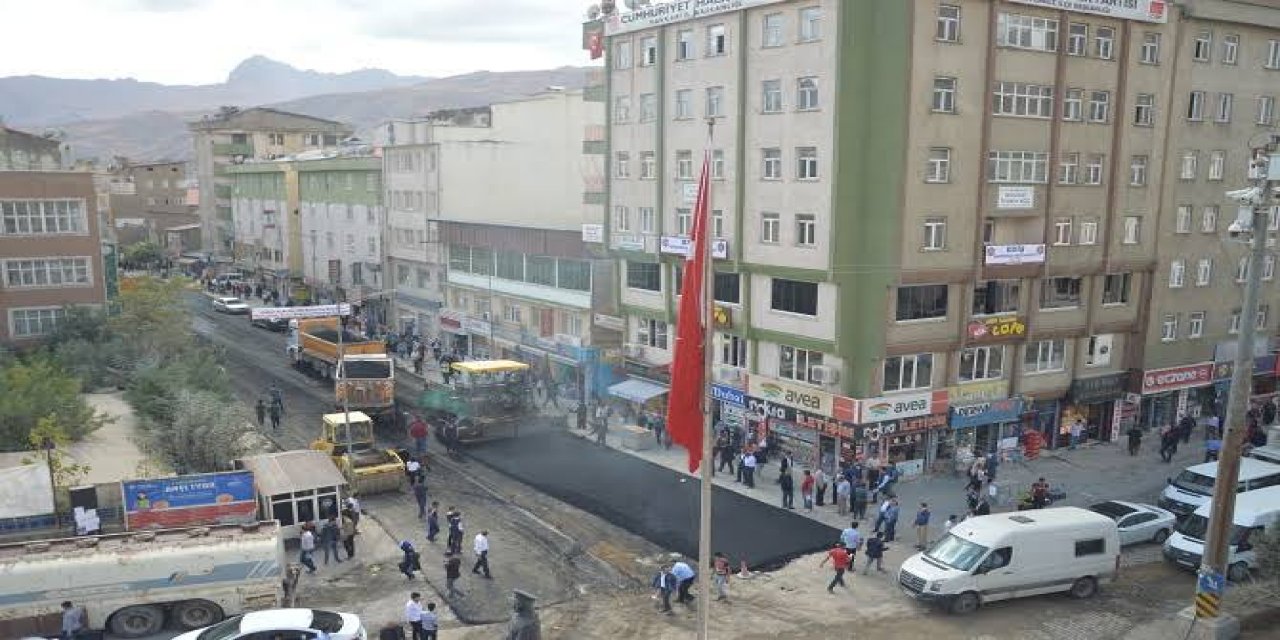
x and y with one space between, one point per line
655 502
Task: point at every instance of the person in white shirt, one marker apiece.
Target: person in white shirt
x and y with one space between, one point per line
749 470
481 547
306 547
430 622
413 614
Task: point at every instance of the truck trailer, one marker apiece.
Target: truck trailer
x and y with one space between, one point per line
362 372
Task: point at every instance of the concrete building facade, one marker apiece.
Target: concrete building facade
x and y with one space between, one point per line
149 199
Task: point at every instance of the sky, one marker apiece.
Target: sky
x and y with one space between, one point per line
200 41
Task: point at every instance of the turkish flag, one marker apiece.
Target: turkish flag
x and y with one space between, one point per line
688 367
595 42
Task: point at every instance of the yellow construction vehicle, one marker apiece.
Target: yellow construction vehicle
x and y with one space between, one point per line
348 439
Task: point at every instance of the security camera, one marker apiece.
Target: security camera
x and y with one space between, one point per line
1249 196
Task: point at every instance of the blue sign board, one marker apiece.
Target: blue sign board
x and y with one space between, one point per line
1210 583
728 395
991 412
188 491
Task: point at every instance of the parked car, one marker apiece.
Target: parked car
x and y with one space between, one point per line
230 305
271 324
285 624
1138 522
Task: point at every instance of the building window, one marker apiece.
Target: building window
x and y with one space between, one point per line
1230 48
938 168
47 273
275 139
1138 171
1093 168
622 55
33 323
648 220
771 30
1060 293
770 228
1242 269
1209 219
715 102
1073 105
1273 54
1195 324
948 27
684 45
806 230
807 163
652 333
944 95
1132 230
622 164
1077 39
684 222
1169 327
981 363
621 109
1268 267
648 51
1021 99
621 218
1217 164
921 302
1115 288
1144 110
643 275
935 234
1088 231
1177 273
1045 356
1225 103
807 94
772 163
996 296
1017 167
1266 110
648 107
1195 106
1260 320
797 364
512 313
1062 232
684 104
717 40
42 217
728 288
732 351
684 164
1098 353
1233 323
988 231
771 96
1190 165
1204 272
717 223
810 24
903 373
717 164
1182 220
648 165
1202 47
1104 43
1150 48
1027 32
1099 106
793 296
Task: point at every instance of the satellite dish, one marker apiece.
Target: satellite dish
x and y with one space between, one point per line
593 12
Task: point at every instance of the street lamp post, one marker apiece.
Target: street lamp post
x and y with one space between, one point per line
1251 225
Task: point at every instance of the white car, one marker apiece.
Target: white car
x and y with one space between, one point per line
1138 522
283 624
230 305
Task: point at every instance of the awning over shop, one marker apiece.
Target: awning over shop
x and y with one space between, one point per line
637 391
292 471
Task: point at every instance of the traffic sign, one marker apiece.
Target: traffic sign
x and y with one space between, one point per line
291 313
1210 583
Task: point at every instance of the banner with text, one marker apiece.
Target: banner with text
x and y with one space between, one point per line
293 313
656 15
206 498
1142 10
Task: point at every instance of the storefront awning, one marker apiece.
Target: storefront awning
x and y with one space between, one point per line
637 391
292 471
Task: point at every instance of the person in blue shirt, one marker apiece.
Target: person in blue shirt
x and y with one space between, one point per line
664 583
851 538
891 519
685 576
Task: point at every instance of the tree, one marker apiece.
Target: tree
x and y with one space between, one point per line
204 432
50 437
36 390
143 254
153 320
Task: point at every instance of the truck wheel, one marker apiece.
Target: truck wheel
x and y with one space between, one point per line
137 621
965 603
193 614
1083 588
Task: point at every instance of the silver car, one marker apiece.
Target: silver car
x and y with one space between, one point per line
228 304
1137 522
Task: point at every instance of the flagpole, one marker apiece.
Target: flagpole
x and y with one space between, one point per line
704 512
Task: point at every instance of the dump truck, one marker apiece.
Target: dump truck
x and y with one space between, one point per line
347 437
363 374
485 400
136 584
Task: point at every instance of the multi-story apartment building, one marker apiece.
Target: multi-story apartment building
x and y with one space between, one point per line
311 226
22 151
502 192
149 199
940 225
234 136
50 251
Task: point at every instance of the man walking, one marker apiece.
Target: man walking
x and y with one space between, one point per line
891 519
860 500
306 547
720 575
260 410
1135 439
72 621
664 584
330 533
820 486
433 522
1185 427
685 576
842 495
420 496
348 533
839 558
454 541
788 485
274 412
413 614
922 527
1077 428
806 489
418 431
851 538
481 547
452 571
430 622
875 553
749 469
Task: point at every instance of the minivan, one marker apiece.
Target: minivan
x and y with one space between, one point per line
1194 486
1255 511
1014 555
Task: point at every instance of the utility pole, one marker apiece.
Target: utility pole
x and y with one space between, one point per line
1250 225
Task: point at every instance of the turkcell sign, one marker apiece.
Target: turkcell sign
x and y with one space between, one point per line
656 15
728 395
293 313
1143 10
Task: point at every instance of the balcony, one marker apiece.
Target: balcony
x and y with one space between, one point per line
233 149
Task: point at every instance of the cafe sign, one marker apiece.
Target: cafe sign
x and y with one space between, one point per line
1175 378
997 329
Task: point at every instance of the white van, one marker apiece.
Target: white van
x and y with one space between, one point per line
1194 486
1255 511
1013 555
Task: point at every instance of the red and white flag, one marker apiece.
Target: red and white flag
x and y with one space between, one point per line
688 371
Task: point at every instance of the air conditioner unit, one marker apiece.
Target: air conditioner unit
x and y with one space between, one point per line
726 373
633 350
824 375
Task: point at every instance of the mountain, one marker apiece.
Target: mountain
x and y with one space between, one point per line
37 101
154 135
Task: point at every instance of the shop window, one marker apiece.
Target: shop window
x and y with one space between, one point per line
922 302
282 510
996 296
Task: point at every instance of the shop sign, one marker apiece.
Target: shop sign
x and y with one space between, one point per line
761 410
1016 198
648 16
802 398
471 325
1174 378
612 323
922 423
978 392
728 395
450 323
1002 254
972 415
722 317
1098 389
680 245
895 407
593 233
883 430
1262 366
789 430
997 329
1141 10
629 243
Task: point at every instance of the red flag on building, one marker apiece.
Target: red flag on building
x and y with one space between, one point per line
688 368
595 43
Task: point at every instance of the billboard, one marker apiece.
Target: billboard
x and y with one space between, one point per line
182 501
291 313
1143 10
661 13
